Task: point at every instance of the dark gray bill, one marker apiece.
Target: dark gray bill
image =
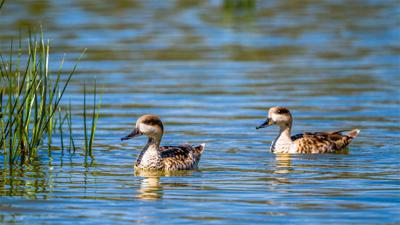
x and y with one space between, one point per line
265 124
133 134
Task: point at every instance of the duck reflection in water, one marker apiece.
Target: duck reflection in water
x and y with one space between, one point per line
151 188
283 163
286 163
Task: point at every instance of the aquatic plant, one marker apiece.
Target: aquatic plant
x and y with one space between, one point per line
30 99
94 117
239 4
2 3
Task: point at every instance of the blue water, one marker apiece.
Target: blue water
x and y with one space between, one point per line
211 71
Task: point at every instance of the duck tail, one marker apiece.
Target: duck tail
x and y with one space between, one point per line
200 148
197 151
353 133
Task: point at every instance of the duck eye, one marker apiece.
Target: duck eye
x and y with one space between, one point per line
282 111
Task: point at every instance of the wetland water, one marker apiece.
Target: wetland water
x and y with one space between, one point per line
210 71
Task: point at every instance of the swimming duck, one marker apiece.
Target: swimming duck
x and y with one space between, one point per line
319 142
168 158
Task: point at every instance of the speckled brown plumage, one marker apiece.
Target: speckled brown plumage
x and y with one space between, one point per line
307 143
323 142
181 157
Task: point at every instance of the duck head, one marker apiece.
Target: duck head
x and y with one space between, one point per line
277 116
149 125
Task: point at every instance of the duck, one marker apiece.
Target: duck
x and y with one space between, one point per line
304 143
162 158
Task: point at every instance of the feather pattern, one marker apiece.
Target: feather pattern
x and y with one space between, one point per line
181 157
322 142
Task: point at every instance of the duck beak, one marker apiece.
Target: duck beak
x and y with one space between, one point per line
133 134
265 124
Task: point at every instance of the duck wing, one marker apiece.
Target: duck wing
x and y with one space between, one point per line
323 142
182 157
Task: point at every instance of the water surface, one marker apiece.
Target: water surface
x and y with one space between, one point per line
210 69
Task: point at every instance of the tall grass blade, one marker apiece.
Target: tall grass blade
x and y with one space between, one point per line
69 121
84 122
95 116
2 3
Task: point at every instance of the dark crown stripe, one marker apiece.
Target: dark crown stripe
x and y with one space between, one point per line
282 111
153 122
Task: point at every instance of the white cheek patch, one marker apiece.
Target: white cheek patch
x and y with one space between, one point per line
277 118
146 129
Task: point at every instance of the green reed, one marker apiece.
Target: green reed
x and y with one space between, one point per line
89 139
69 123
30 97
2 3
239 4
